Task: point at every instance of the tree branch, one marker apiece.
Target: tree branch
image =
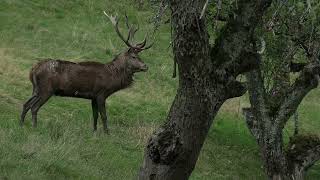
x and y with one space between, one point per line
307 81
303 151
257 96
237 34
253 125
281 78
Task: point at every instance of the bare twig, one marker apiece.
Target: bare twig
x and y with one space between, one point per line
204 9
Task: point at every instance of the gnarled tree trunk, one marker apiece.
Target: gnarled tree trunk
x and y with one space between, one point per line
266 126
206 80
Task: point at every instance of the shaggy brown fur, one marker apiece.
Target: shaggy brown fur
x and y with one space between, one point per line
89 80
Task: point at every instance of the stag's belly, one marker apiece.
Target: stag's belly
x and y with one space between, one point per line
83 89
76 94
86 90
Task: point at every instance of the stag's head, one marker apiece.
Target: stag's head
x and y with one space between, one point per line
133 62
131 56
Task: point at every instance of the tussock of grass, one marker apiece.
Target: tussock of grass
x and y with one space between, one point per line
64 146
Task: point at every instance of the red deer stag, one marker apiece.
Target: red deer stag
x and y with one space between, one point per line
89 80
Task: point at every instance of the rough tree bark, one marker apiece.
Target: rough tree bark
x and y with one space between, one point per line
269 113
207 78
280 163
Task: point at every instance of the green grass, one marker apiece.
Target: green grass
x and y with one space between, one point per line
63 146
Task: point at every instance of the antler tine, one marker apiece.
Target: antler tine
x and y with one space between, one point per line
134 31
148 47
115 21
143 43
131 27
137 28
129 34
137 49
141 46
127 20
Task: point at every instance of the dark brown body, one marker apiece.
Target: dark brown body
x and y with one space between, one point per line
89 80
84 80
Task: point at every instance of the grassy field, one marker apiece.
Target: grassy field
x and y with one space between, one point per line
64 146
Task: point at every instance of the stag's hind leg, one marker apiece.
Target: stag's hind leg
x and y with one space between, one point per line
102 109
27 107
94 113
43 98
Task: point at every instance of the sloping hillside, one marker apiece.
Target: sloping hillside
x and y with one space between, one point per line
64 146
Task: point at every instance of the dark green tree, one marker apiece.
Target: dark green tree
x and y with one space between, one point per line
289 70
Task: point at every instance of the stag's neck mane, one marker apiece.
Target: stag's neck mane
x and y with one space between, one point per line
120 73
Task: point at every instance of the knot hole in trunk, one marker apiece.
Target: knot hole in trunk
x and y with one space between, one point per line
165 145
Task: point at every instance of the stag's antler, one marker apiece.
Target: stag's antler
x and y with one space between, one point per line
133 30
135 48
115 21
141 46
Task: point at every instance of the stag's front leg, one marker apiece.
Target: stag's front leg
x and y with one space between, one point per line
102 109
94 113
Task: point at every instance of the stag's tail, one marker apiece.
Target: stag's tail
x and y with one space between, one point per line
33 78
